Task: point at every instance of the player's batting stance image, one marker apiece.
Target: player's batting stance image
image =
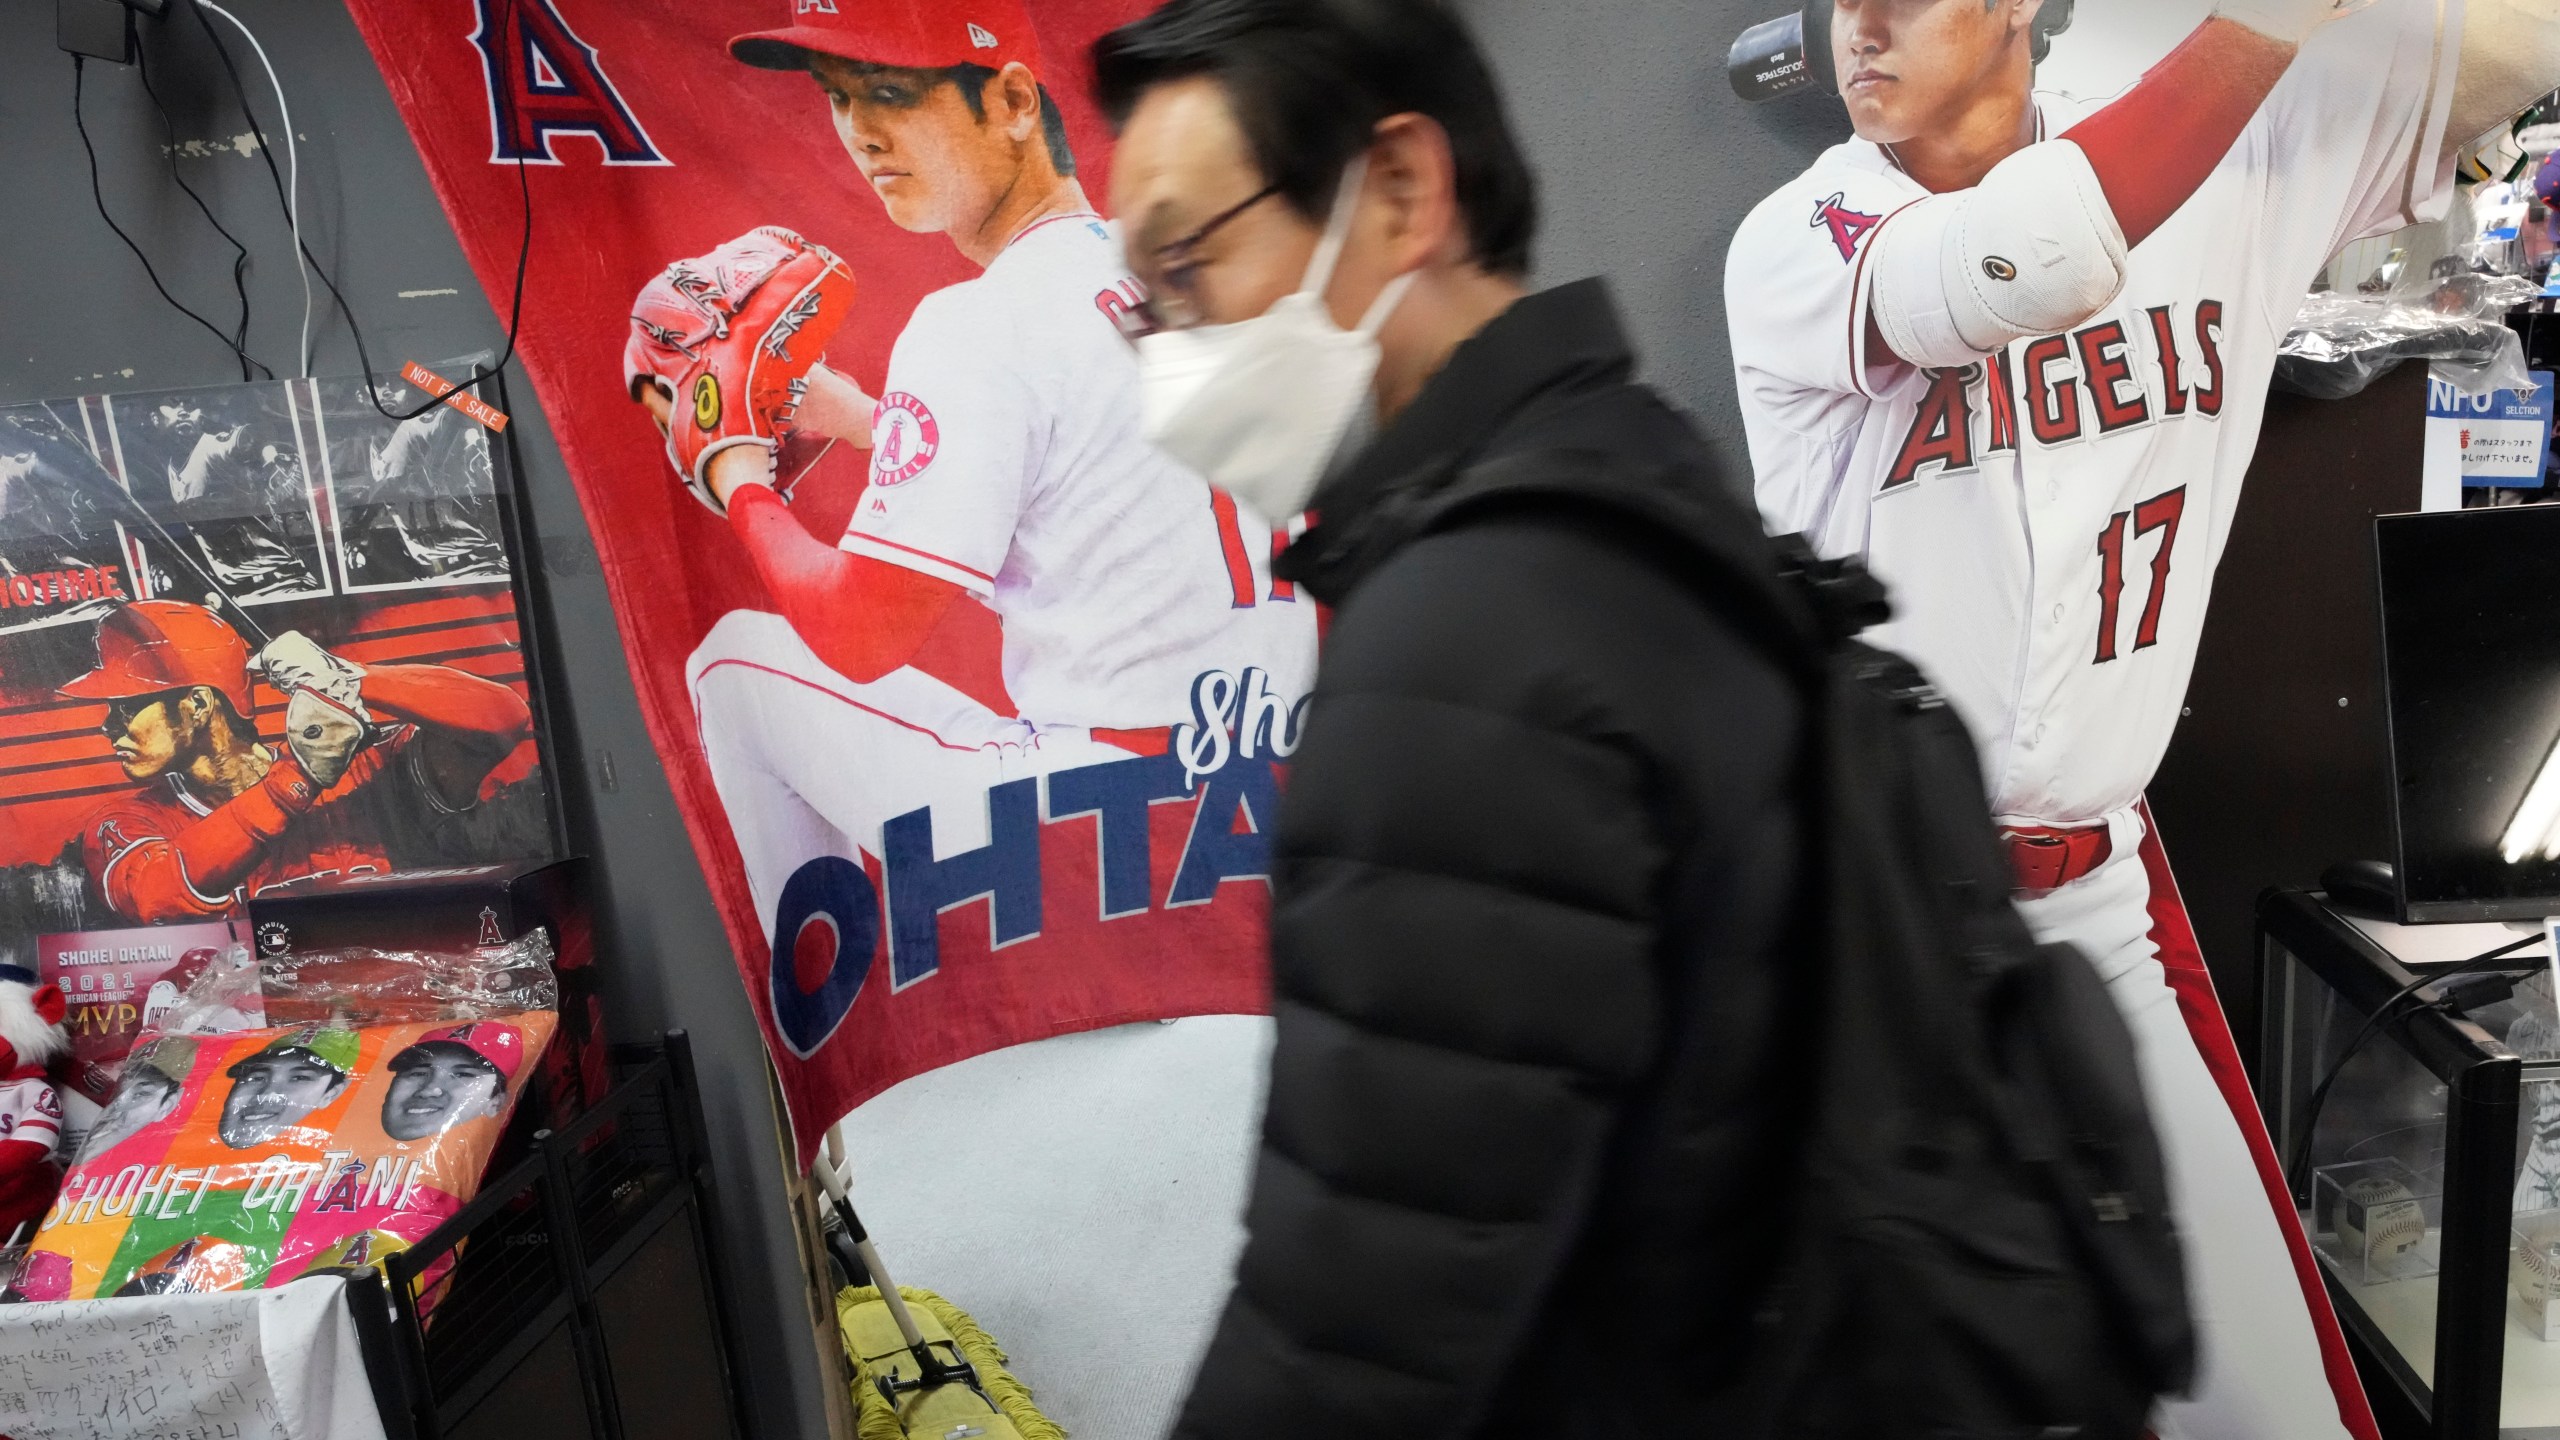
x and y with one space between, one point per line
2015 350
1006 465
218 815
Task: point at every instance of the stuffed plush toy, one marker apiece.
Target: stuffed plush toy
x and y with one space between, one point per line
30 1112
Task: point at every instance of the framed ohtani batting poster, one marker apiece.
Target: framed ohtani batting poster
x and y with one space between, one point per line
184 573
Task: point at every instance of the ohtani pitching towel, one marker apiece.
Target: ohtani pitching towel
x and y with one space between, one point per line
238 1161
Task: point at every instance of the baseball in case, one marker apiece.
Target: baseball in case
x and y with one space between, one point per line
2533 1273
2375 1220
251 1159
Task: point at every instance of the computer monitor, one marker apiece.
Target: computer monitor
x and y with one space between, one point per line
2471 678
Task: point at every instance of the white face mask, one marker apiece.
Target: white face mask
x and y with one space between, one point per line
1260 407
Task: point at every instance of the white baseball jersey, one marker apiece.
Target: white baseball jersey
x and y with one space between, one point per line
2049 519
1006 459
30 1110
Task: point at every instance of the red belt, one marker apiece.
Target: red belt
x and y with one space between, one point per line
2046 858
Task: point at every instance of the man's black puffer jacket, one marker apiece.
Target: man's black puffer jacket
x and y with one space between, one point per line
1538 893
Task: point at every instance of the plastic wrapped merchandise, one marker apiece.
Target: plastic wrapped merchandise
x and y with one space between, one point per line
2342 342
361 986
250 1159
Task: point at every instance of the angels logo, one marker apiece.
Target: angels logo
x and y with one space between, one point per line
544 81
1848 227
904 439
777 341
341 1193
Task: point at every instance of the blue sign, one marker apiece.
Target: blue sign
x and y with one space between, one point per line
2504 436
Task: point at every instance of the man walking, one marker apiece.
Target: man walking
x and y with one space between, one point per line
1539 859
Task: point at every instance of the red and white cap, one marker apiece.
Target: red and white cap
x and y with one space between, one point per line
500 1044
908 34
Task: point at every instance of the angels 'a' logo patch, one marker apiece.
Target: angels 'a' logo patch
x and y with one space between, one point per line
1848 227
904 439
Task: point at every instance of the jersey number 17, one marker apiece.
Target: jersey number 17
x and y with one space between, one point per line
2161 512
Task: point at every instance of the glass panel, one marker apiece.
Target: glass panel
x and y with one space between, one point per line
2372 1184
2530 1402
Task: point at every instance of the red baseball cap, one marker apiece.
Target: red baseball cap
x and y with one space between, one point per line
501 1045
908 34
153 645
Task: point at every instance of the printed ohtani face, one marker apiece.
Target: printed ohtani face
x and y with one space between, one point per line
272 1091
144 1099
935 164
1911 67
181 419
436 1086
150 733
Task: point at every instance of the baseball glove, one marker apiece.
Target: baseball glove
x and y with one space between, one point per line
729 338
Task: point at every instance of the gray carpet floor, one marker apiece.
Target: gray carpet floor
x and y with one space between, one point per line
1082 1197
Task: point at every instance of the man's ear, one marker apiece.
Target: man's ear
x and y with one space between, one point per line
1013 97
1412 171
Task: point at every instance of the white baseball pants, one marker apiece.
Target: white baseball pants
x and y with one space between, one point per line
809 763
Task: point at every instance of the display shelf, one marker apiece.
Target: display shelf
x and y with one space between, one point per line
577 1295
2432 1096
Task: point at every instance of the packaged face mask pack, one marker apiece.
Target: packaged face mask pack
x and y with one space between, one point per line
250 1159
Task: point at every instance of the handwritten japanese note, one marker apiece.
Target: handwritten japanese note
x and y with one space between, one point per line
254 1365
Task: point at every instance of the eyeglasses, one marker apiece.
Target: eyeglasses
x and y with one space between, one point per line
1171 302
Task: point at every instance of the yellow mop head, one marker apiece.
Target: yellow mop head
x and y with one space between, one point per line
942 1412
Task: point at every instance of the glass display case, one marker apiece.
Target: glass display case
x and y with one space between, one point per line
2411 1080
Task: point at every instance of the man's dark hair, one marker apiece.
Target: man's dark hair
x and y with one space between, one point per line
972 80
1310 80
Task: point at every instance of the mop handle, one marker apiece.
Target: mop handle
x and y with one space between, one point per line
833 1184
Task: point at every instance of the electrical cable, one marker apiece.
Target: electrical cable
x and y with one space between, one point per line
293 161
524 252
239 252
97 192
2374 1025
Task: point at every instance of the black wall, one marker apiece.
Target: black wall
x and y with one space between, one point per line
77 316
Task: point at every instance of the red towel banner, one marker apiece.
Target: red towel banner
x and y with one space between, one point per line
978 739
